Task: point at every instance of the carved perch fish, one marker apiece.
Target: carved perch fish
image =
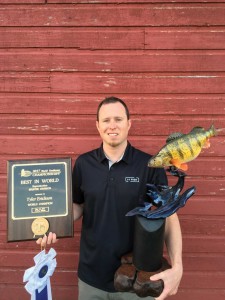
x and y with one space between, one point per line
181 148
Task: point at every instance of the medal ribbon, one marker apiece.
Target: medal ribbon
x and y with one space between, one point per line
38 277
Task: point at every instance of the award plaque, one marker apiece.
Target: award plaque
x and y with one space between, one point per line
39 198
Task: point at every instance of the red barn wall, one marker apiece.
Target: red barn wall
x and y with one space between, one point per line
166 59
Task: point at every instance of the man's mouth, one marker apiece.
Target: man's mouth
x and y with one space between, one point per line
112 134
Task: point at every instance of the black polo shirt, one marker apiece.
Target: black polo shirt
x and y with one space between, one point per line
108 194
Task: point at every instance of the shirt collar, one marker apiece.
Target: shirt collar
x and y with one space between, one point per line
127 157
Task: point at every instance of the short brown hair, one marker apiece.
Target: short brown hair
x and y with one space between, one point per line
113 99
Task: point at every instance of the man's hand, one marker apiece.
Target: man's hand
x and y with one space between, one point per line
47 240
171 278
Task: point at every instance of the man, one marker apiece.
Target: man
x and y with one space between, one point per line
107 183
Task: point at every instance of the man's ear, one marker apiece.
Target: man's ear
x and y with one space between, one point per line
130 123
97 125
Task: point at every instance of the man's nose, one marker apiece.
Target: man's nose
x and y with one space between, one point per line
112 124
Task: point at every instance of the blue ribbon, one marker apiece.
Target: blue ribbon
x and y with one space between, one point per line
38 277
43 295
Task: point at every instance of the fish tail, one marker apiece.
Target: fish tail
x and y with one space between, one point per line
212 131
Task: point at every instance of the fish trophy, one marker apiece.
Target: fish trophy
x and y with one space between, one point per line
182 148
147 257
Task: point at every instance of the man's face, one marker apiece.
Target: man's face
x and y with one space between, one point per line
113 125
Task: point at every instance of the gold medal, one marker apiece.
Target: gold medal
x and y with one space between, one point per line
39 226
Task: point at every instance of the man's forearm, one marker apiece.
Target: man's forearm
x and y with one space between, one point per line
77 211
173 239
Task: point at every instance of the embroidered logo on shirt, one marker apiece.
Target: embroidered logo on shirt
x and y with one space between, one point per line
131 179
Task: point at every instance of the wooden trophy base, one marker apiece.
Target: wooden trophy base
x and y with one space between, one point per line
129 279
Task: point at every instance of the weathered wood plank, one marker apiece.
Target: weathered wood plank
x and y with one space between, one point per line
196 294
21 259
216 186
91 38
136 83
204 262
84 104
210 166
52 145
24 1
207 186
24 82
69 261
100 1
204 187
68 278
197 280
184 38
79 125
205 165
191 243
203 244
8 291
5 158
114 38
48 145
191 224
66 245
112 83
3 228
202 280
197 205
184 87
59 292
202 225
120 15
126 1
110 61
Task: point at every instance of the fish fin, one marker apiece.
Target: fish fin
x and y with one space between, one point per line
176 163
179 165
207 144
184 167
174 136
197 129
